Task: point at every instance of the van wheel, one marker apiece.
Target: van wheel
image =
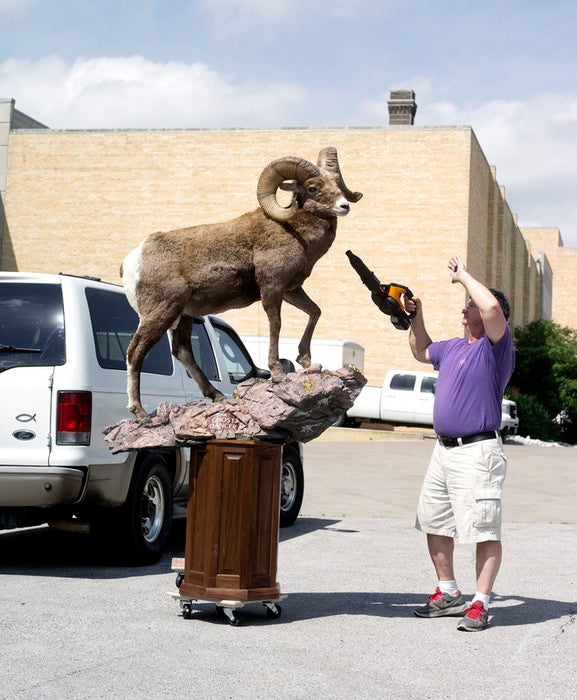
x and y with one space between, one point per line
292 485
137 531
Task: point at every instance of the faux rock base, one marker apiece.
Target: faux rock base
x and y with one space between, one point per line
297 409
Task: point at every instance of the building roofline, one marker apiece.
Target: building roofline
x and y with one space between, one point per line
385 127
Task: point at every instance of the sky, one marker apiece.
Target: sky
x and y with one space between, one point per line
507 68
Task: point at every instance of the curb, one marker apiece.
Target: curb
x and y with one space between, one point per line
335 434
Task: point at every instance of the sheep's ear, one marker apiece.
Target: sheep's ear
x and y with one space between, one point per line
289 186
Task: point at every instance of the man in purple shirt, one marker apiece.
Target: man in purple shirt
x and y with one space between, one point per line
461 493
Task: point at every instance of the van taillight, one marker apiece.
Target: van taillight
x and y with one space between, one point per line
74 421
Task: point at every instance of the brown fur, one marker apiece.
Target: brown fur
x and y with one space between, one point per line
215 267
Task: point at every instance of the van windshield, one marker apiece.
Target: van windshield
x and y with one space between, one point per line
31 325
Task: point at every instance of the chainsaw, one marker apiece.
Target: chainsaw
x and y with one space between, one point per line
386 296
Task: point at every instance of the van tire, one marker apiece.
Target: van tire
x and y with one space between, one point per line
137 531
292 485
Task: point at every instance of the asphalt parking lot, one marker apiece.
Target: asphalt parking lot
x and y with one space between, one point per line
352 568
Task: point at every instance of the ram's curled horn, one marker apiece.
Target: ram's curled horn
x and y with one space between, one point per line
328 160
272 177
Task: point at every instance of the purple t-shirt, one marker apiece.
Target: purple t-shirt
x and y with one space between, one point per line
472 379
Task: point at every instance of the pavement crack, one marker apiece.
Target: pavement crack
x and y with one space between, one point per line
570 621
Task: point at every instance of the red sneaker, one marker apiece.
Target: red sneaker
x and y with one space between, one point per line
475 619
440 604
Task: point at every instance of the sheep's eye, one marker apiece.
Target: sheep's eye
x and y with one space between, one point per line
312 189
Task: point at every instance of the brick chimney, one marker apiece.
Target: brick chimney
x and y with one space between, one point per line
402 108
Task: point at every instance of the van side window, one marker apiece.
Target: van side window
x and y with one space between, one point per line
428 385
114 322
202 350
238 364
403 382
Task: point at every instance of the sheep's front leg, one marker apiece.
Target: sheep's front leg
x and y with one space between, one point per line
271 305
299 299
182 350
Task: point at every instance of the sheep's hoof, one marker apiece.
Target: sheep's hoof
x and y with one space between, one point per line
140 415
304 361
150 421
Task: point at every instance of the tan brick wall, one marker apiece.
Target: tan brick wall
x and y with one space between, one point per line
496 251
77 202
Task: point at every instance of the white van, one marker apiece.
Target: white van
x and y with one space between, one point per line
63 342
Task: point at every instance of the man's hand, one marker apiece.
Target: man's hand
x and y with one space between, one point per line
412 304
493 321
457 269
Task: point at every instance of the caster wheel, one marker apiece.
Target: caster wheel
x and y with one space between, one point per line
232 616
179 579
187 611
273 610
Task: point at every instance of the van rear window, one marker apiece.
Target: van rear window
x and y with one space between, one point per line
114 322
31 325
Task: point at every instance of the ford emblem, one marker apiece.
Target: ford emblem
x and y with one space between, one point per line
24 435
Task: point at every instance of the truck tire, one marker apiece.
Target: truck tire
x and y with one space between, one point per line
341 421
137 531
292 485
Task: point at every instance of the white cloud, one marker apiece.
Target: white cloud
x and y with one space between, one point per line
532 142
132 92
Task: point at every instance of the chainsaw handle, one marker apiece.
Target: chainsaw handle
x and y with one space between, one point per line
410 314
405 291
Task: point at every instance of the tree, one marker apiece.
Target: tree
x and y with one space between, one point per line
544 382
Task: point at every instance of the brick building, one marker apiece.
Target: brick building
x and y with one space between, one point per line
78 201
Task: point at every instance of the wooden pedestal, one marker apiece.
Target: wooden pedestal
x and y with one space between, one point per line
232 522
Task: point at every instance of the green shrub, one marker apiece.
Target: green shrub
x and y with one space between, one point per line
534 420
545 380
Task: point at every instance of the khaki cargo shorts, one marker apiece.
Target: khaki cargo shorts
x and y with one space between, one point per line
461 492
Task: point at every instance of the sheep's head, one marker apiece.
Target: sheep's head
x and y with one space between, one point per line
318 189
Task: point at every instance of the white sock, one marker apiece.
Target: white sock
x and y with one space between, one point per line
449 587
484 598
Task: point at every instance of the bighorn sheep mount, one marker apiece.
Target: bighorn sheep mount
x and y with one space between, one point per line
265 254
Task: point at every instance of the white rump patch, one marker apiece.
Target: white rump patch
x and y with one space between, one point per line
131 274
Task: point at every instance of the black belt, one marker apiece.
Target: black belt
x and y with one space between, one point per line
476 437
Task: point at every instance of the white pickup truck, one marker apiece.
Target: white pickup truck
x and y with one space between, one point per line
407 397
